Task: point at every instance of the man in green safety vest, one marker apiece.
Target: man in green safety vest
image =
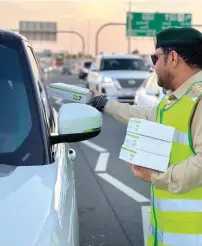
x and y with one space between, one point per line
176 195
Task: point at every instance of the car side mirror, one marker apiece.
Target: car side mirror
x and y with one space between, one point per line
77 122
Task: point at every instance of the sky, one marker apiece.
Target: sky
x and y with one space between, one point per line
85 17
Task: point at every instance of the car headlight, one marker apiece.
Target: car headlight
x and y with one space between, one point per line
107 80
110 81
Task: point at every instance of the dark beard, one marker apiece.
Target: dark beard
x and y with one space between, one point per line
165 81
160 83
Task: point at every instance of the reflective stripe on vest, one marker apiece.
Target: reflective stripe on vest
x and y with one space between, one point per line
176 239
181 205
181 137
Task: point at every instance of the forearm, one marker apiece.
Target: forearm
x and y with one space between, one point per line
123 111
182 177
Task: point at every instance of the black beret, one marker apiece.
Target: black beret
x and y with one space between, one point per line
174 36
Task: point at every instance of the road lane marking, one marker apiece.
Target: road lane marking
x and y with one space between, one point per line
102 162
145 221
101 166
94 146
122 187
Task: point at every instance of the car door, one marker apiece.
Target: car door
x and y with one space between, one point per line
93 74
90 76
63 156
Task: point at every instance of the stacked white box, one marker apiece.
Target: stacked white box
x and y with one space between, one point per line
151 129
70 92
147 144
144 159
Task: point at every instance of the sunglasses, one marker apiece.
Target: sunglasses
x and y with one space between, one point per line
155 58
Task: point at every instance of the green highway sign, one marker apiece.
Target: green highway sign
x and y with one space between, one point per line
148 24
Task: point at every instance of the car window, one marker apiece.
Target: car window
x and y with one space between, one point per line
122 64
43 93
14 129
34 64
18 124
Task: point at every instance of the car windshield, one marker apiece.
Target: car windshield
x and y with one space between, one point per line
18 126
87 64
122 64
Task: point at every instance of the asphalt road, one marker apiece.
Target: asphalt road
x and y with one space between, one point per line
113 205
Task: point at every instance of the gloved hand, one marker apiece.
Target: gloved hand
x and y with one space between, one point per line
98 100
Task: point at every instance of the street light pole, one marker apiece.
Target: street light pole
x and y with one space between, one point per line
100 29
70 32
77 34
88 38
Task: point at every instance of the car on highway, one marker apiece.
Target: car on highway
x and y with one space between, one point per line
58 61
84 69
37 185
149 94
66 70
117 76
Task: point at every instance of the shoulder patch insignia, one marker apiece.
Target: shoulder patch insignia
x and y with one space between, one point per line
197 88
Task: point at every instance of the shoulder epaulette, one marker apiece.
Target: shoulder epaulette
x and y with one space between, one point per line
197 89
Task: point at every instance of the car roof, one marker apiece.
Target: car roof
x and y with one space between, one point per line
119 56
8 34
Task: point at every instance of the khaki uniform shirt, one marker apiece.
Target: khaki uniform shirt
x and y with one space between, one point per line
178 178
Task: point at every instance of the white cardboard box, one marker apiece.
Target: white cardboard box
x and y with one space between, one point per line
147 144
70 92
145 159
151 129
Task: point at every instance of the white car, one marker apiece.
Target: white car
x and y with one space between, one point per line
118 76
37 186
149 94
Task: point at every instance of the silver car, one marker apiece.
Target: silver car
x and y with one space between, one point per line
118 76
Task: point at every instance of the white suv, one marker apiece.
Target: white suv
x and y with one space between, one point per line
149 94
118 76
